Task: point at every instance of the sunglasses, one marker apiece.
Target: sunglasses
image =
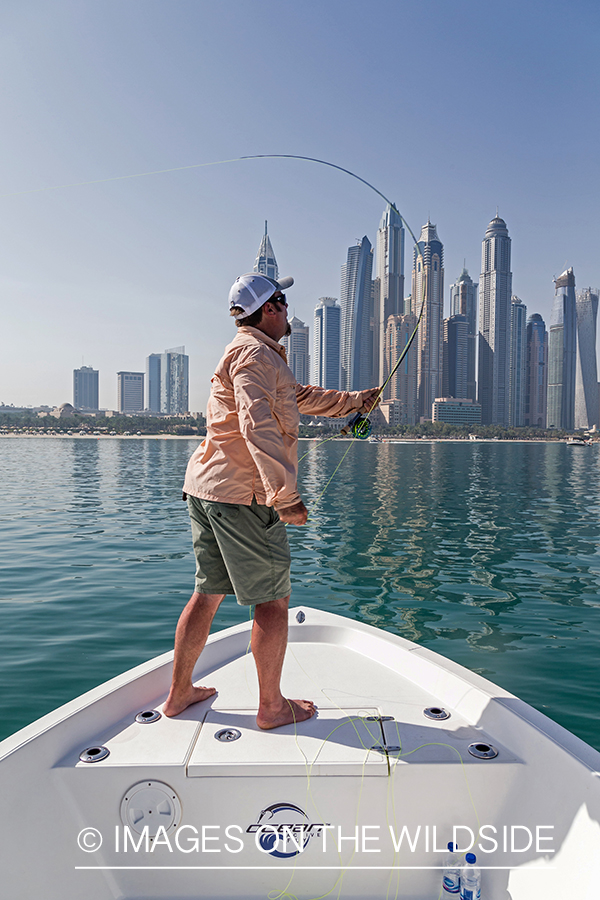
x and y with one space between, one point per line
281 299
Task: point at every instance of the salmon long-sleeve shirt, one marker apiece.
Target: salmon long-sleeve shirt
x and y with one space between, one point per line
253 413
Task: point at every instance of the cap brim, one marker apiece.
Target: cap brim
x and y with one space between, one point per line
285 283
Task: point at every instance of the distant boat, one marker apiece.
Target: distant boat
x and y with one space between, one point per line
578 442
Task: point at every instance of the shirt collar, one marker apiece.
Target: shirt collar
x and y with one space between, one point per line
257 333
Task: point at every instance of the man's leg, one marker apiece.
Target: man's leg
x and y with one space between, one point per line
190 637
269 642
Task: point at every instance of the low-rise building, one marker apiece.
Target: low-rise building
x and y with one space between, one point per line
456 412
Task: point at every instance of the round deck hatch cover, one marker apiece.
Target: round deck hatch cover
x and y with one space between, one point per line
152 804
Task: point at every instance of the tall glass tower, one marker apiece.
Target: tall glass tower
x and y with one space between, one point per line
326 344
389 287
356 300
174 381
428 288
495 290
265 262
586 376
456 336
562 354
463 302
537 372
518 362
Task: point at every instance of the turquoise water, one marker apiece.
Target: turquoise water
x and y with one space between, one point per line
485 552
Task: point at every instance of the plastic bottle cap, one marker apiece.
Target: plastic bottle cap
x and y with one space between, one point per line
450 846
471 858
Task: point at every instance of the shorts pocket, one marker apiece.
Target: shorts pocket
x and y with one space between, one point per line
229 511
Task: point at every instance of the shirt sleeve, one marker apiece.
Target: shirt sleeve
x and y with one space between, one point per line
273 452
316 401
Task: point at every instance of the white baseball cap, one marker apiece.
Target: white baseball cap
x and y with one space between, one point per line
251 291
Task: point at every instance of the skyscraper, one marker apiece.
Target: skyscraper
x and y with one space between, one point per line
495 290
428 287
130 392
518 362
168 381
296 348
356 301
326 344
265 262
537 372
463 302
403 383
153 382
455 357
389 287
174 381
586 376
562 354
85 388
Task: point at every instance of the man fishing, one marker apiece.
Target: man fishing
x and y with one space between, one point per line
241 488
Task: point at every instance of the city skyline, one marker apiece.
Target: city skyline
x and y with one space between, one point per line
108 269
403 390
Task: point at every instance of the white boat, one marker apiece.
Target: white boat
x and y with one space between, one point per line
578 442
104 799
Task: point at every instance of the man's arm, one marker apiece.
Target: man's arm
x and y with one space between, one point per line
316 401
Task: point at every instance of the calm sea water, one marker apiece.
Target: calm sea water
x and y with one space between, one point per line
485 552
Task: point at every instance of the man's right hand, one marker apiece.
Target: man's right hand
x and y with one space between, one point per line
294 515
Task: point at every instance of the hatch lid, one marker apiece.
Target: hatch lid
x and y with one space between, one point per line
335 742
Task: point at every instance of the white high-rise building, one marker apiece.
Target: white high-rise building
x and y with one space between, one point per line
428 288
562 354
518 363
389 287
356 301
265 262
296 347
495 291
326 344
586 376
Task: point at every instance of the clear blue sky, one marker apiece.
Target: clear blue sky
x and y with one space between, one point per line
450 107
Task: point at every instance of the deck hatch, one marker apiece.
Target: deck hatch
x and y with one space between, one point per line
336 742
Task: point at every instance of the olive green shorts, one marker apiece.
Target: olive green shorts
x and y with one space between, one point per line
241 550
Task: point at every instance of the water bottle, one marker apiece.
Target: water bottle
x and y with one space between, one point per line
470 879
451 873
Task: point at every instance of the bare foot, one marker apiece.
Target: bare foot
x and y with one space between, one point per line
176 703
291 711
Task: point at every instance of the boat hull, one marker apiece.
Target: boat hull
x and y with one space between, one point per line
360 801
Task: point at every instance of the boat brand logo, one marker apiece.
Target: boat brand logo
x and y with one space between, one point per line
284 830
